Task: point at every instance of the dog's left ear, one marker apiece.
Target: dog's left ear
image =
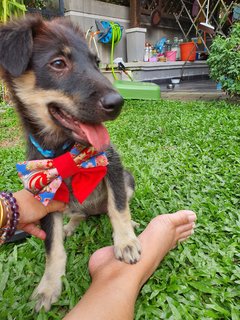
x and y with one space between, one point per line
16 44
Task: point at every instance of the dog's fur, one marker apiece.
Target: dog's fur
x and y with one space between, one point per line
47 64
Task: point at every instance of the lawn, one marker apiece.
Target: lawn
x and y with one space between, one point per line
183 155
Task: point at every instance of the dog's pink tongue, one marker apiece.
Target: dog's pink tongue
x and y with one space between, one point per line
97 135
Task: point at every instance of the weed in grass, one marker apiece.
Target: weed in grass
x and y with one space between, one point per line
183 155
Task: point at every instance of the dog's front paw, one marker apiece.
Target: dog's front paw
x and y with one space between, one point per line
135 224
128 251
68 230
71 226
46 294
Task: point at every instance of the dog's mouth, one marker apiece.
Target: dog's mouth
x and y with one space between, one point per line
93 134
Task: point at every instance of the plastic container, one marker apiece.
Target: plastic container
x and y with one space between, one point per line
188 51
138 90
153 59
175 80
171 55
167 46
135 43
161 57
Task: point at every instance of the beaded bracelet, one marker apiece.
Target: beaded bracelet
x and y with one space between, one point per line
4 230
1 214
11 207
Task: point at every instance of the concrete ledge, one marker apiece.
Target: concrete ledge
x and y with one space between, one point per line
159 71
197 96
161 65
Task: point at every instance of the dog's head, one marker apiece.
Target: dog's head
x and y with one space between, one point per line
55 80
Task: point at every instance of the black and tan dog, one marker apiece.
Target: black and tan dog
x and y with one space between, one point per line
62 98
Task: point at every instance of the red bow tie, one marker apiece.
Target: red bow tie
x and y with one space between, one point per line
44 178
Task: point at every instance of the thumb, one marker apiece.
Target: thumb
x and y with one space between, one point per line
55 205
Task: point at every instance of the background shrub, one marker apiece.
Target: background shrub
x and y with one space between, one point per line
224 61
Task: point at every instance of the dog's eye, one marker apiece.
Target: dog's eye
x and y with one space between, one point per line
98 62
58 64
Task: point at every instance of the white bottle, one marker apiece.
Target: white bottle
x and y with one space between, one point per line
150 53
175 47
146 53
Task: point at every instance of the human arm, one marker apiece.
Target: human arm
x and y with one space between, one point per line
31 211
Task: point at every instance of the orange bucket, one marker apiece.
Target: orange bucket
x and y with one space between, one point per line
188 51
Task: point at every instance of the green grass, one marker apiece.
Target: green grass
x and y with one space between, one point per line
183 155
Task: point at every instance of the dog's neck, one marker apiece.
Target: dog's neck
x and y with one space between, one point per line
46 153
36 149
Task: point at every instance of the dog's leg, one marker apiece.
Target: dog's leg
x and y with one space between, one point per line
126 244
129 184
130 187
50 286
75 219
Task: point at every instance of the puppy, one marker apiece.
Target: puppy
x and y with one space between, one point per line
62 98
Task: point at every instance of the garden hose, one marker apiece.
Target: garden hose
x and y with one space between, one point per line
116 37
109 33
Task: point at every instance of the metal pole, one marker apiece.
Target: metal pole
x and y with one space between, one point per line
207 11
61 8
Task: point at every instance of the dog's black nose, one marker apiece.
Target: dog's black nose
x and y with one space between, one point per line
112 102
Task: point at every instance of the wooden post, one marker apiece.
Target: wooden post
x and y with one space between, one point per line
135 13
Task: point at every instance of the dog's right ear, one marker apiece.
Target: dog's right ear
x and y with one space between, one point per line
16 44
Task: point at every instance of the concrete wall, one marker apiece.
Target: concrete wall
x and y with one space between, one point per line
84 13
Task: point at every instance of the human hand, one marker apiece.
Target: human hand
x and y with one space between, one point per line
32 210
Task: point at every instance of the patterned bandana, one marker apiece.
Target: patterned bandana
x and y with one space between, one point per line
44 178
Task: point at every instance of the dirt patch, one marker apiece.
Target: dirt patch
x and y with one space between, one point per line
9 143
12 137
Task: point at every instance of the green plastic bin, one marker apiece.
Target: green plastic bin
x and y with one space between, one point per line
137 90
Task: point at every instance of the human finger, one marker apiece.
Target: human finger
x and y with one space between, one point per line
32 229
55 205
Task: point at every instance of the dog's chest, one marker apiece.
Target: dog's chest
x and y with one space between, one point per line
96 203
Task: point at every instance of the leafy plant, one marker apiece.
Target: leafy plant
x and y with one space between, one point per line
35 3
40 4
10 8
224 61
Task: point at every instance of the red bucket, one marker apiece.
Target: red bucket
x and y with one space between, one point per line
188 51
